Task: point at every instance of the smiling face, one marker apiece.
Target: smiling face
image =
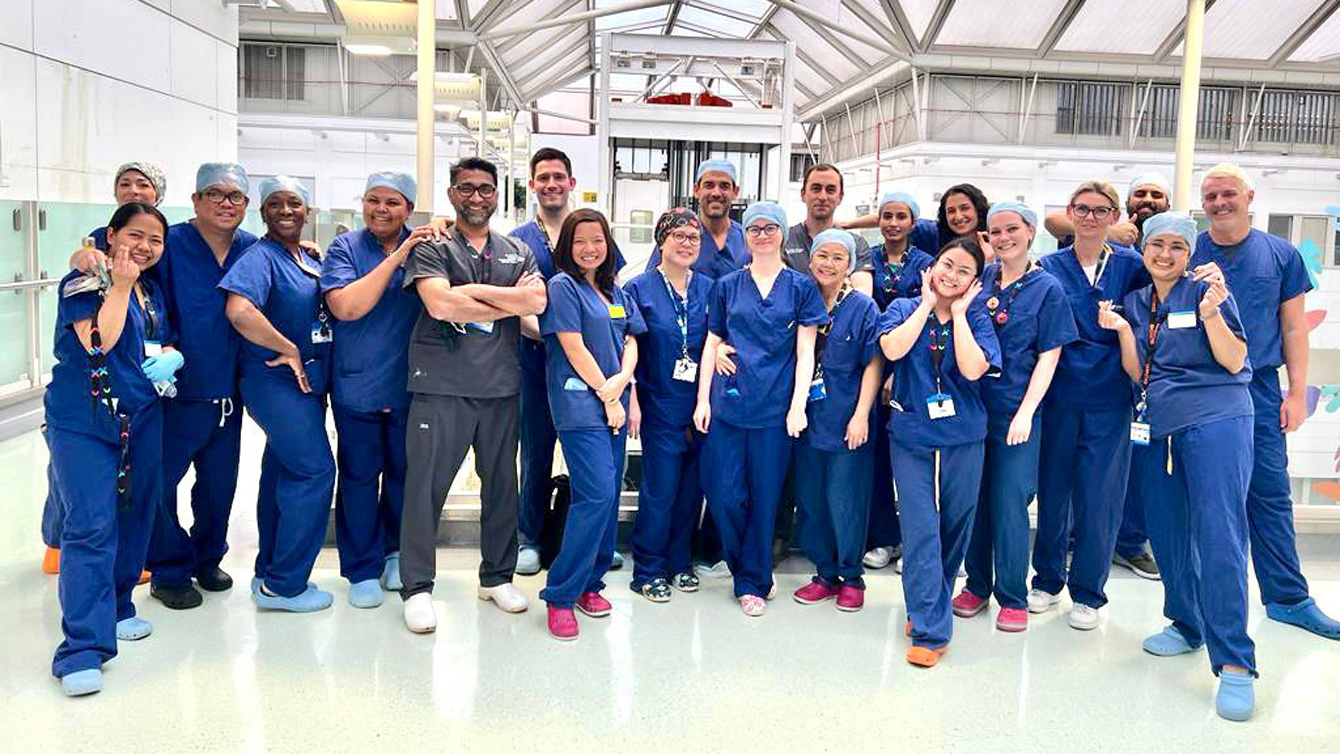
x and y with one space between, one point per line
895 222
829 264
468 197
142 238
588 246
953 272
132 186
551 185
1225 201
715 192
681 246
763 236
1084 211
822 193
385 211
1166 257
284 214
960 214
1010 236
221 207
1146 201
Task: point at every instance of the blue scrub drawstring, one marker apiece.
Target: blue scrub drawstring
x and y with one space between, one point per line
937 480
1170 468
225 410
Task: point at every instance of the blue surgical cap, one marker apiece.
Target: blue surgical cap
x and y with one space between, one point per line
395 181
1170 223
765 210
285 183
1027 215
840 237
221 174
900 197
1157 180
717 166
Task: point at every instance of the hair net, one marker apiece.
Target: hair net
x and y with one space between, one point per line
766 210
841 237
1029 216
717 166
1170 223
222 174
900 197
400 182
284 183
148 170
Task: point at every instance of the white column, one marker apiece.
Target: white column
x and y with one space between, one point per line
1183 193
427 58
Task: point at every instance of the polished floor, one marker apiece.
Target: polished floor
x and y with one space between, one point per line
695 675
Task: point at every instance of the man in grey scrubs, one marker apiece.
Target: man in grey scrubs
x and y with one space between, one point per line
821 191
464 376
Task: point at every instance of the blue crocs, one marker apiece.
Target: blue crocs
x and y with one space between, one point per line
1168 643
391 573
1236 699
1307 616
365 594
311 600
133 629
82 682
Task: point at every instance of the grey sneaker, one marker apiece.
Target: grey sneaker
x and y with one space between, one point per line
527 561
1141 564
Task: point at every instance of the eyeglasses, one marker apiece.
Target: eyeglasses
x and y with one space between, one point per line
468 190
1099 213
763 230
215 196
686 239
1176 252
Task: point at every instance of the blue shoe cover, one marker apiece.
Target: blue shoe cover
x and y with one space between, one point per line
1168 643
1307 616
311 600
82 682
391 573
133 629
256 582
365 594
1236 699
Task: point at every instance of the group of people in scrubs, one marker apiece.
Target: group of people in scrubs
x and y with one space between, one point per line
903 402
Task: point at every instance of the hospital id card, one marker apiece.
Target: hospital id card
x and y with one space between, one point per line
320 333
1139 433
1181 320
152 348
484 327
617 312
818 391
686 370
940 406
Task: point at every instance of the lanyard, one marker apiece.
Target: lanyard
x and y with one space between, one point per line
822 339
151 312
322 315
1000 310
939 343
1151 339
681 306
1102 265
893 271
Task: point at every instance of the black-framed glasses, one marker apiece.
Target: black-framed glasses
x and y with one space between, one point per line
215 196
686 239
1099 213
763 230
467 190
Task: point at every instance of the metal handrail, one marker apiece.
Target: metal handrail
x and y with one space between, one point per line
23 285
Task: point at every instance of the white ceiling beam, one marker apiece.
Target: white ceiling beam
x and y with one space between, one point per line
554 83
500 69
494 10
1165 50
575 18
1058 28
937 23
507 46
824 24
879 26
542 61
898 20
1320 16
462 13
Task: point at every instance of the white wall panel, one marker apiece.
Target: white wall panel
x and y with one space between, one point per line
18 126
210 16
125 39
195 65
17 30
226 91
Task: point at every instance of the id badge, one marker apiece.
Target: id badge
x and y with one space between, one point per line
484 327
940 406
320 334
152 348
617 312
1139 433
818 391
686 370
1181 320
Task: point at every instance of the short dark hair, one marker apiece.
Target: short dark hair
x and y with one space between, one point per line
474 163
968 244
804 181
123 214
549 153
563 251
979 205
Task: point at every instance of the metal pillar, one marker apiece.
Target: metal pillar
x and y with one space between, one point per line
427 120
1189 107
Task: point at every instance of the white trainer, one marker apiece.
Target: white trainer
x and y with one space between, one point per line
1083 617
506 596
1040 601
879 557
419 614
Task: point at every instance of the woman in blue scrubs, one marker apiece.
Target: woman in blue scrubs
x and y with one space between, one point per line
770 315
361 280
1086 448
114 357
834 458
274 301
941 343
1184 346
673 301
1032 318
898 264
589 329
962 214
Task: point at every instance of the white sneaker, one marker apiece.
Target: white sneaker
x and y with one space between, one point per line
506 596
1040 601
898 567
527 561
880 557
419 614
753 606
1083 617
718 570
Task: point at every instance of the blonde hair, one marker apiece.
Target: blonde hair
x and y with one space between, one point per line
1229 170
1098 187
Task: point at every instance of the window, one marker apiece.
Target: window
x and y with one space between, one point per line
272 71
1316 236
1281 226
1089 109
799 164
1296 118
1214 119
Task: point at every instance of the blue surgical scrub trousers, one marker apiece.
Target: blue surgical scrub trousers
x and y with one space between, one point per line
207 434
1082 475
1269 501
102 549
833 494
1131 537
937 499
882 530
595 477
537 437
53 510
371 492
668 503
997 560
297 482
1198 530
743 474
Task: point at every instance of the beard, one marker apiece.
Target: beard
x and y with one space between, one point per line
476 218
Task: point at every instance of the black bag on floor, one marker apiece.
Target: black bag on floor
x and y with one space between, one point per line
555 519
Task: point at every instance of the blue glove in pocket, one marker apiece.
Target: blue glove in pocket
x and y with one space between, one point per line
163 367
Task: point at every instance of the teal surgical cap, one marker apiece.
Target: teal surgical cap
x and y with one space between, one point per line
222 174
842 238
899 197
1027 215
284 183
400 182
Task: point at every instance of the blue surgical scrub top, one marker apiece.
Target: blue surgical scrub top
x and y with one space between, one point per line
370 354
925 235
892 282
713 261
1187 387
290 297
846 351
667 403
574 306
914 381
1037 319
190 275
1090 374
763 333
69 402
1262 272
99 236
